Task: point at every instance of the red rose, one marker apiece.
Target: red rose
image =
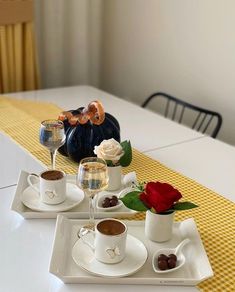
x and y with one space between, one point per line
160 196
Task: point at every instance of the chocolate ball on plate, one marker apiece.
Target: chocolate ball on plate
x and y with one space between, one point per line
106 203
162 265
113 202
115 198
171 263
172 256
162 257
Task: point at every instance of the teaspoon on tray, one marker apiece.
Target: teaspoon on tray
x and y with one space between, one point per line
167 251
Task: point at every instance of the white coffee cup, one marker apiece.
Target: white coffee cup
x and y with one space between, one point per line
52 186
109 244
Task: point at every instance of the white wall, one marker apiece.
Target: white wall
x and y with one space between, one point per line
68 38
183 47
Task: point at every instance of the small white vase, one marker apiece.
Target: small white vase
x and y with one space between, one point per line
115 177
158 227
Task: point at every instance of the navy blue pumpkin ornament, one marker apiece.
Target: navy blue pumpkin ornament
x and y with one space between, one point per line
85 128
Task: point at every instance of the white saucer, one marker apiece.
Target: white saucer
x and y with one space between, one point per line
136 256
31 199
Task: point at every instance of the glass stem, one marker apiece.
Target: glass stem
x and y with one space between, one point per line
92 211
53 155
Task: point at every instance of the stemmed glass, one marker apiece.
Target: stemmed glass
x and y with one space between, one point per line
92 178
52 136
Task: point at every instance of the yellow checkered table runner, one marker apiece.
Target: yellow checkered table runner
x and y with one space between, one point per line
215 218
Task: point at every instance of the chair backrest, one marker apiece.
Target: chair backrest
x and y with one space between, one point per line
199 119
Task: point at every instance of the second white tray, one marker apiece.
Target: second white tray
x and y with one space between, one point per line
196 269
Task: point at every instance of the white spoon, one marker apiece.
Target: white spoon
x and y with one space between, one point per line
167 251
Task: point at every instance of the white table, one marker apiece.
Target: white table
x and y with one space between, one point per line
14 158
26 246
206 160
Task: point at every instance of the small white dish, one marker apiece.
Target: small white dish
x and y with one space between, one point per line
31 199
167 251
107 209
136 256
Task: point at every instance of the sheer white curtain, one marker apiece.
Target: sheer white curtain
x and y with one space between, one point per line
68 40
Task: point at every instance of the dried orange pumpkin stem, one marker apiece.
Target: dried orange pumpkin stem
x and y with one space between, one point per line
94 112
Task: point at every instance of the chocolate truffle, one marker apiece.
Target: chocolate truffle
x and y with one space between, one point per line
171 263
172 256
162 257
162 265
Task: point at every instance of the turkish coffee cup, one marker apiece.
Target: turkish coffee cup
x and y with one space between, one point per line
52 186
109 245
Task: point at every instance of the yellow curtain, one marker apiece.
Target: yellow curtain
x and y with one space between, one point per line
18 61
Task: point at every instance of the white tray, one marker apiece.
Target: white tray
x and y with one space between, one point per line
79 212
196 269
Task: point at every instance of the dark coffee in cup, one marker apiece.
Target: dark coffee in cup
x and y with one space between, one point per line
52 175
111 227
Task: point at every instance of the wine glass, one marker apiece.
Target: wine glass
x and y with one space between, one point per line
92 178
52 136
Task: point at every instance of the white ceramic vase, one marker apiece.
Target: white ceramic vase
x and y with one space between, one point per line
158 227
115 177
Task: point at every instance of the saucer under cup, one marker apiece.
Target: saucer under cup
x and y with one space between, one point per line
136 256
31 199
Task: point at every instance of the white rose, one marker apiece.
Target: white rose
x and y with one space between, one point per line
109 150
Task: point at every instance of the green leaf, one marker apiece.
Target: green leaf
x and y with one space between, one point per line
109 162
184 206
127 157
132 201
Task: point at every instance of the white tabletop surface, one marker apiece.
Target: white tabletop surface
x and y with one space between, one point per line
14 158
206 160
26 245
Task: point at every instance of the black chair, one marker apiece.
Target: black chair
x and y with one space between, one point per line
199 119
